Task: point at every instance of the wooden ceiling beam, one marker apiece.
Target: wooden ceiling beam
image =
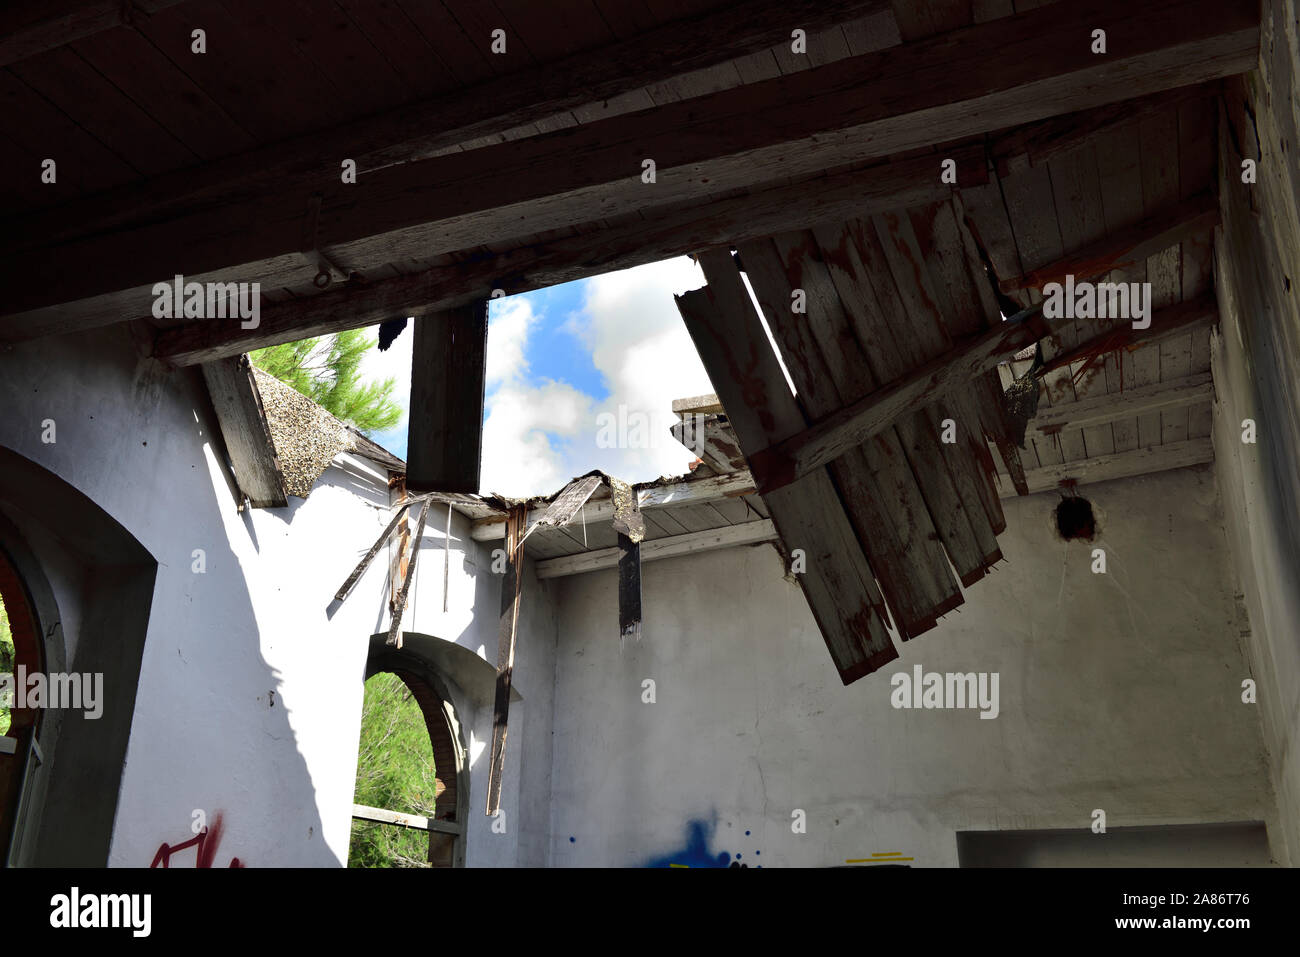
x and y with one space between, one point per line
416 131
833 199
970 82
1120 465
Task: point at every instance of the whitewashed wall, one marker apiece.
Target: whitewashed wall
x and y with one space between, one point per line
250 687
1117 691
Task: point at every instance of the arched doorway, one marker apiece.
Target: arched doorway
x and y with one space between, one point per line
412 791
22 653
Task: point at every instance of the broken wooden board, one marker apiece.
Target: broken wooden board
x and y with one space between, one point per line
511 587
838 583
243 426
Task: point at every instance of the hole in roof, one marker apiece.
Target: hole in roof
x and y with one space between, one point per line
1074 519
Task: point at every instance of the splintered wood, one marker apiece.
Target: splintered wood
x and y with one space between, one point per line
511 587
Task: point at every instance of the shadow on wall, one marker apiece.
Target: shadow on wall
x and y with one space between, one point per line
188 712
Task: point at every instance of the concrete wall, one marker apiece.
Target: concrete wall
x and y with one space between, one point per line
1257 376
250 687
1118 691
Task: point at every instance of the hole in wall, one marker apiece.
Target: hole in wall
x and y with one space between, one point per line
1074 519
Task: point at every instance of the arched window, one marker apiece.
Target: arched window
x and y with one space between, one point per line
412 785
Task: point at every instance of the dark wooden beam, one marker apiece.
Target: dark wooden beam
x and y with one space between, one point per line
444 443
826 440
832 199
1199 313
416 131
30 27
1125 247
969 82
243 425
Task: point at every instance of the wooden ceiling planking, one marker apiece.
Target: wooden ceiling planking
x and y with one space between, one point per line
274 89
465 59
1158 137
86 97
127 59
1197 129
84 164
390 30
1076 188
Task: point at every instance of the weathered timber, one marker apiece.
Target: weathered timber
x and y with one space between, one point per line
838 582
1125 247
656 549
399 606
592 252
511 586
416 131
243 426
1120 465
966 83
444 447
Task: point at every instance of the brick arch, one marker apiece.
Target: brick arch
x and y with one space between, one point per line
451 768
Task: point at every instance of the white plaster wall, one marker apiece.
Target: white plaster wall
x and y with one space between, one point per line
250 687
1118 691
472 621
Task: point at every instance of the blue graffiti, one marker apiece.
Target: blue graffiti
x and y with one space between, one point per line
696 853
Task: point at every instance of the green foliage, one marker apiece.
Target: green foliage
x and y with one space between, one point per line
394 771
7 655
328 371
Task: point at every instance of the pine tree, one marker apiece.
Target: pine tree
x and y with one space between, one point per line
328 371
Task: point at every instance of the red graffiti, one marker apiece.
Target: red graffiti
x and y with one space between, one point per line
205 845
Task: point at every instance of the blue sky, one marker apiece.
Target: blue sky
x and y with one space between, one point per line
565 361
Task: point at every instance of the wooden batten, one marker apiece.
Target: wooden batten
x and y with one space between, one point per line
445 426
511 589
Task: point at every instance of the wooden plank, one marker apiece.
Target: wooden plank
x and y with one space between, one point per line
780 464
511 586
419 130
444 445
355 305
243 426
379 815
629 587
1121 465
1172 321
399 606
1121 249
29 27
738 357
874 481
1161 397
1028 67
1034 144
656 549
366 559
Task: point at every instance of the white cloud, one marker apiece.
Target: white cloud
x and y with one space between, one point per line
537 435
